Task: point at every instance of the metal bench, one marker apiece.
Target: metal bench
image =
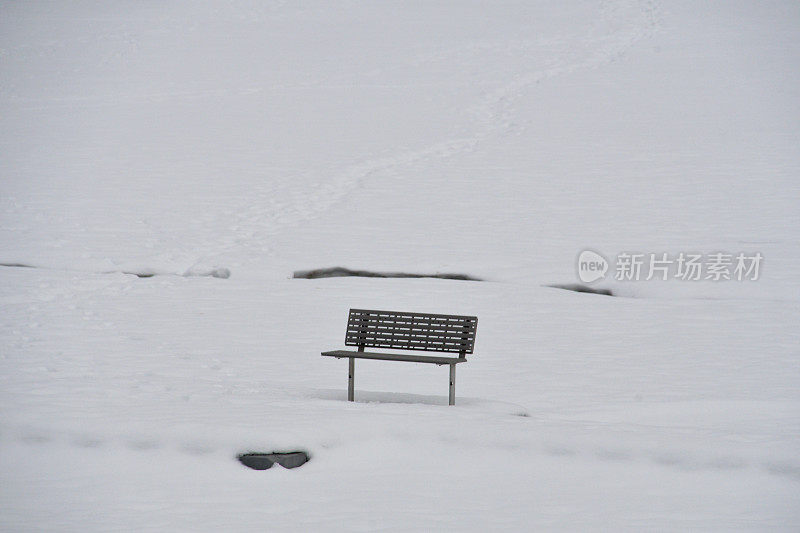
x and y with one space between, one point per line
407 331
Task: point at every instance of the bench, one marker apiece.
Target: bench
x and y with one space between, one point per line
407 331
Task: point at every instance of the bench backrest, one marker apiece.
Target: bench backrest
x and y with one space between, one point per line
411 331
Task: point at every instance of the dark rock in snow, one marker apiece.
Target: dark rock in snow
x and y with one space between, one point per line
263 461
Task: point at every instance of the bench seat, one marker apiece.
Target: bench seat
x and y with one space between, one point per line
411 358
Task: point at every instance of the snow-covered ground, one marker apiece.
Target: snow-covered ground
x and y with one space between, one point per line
496 140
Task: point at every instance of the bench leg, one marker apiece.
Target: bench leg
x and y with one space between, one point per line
350 385
452 384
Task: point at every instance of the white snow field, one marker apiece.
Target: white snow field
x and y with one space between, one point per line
498 140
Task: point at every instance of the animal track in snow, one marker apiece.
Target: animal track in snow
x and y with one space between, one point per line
616 30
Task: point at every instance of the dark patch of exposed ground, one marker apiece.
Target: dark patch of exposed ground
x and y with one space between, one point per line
341 272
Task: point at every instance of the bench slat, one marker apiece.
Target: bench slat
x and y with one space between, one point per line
400 344
404 335
422 328
410 314
427 322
